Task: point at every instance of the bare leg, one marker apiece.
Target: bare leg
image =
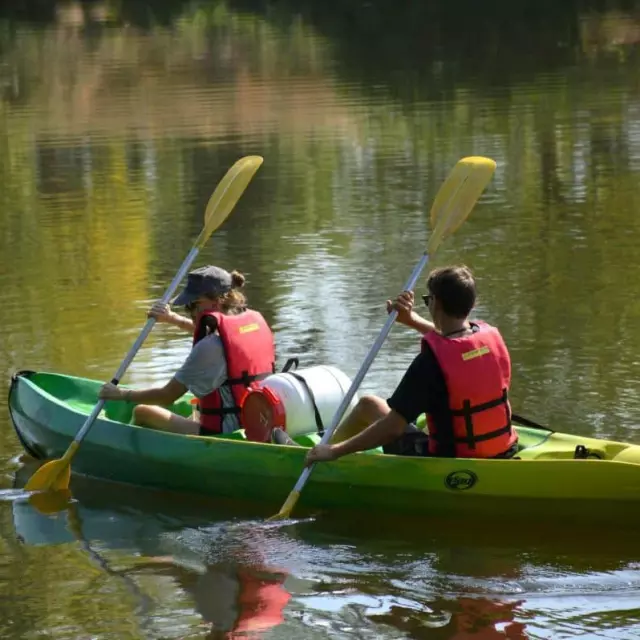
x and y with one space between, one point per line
366 412
162 419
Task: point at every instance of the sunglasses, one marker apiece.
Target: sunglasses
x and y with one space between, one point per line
427 298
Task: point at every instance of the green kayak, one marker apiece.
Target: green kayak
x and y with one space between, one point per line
555 475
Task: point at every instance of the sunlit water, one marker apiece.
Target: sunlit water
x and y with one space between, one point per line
118 122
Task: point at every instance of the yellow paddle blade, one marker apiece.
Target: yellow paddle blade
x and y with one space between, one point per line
226 195
452 204
457 197
49 502
55 475
287 507
51 476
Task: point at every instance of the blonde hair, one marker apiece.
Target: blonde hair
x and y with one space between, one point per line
234 301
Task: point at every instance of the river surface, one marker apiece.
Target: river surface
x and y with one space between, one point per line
117 121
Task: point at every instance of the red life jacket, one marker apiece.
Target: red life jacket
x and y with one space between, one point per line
477 372
249 351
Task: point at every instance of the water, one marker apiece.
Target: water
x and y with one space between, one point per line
118 120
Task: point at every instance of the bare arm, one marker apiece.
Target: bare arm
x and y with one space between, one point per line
403 304
182 322
420 324
162 313
162 396
381 432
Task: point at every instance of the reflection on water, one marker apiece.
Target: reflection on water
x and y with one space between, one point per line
118 119
171 570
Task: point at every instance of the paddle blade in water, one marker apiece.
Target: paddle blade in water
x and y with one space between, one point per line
457 197
452 205
51 476
287 507
49 502
55 475
227 194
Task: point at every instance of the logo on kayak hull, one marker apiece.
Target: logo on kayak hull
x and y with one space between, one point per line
460 480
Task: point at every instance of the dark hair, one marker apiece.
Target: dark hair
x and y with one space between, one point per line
234 301
455 289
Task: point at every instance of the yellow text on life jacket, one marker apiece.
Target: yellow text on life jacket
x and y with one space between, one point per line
476 353
248 328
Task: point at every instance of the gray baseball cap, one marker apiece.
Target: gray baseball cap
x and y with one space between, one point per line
205 281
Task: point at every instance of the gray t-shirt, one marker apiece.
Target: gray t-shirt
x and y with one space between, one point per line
204 371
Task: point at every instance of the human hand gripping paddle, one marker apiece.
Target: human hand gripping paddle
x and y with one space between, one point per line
55 475
453 203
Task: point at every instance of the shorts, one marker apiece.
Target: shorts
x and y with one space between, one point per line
414 442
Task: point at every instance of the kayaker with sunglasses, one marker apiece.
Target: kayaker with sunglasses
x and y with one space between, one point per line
460 380
232 347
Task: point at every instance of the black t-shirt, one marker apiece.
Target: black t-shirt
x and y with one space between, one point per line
424 390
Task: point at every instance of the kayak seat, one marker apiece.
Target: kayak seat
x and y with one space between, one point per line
559 446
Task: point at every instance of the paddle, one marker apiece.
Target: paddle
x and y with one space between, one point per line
452 205
55 475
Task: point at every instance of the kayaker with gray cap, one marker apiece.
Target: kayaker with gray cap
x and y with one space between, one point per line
233 347
460 380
